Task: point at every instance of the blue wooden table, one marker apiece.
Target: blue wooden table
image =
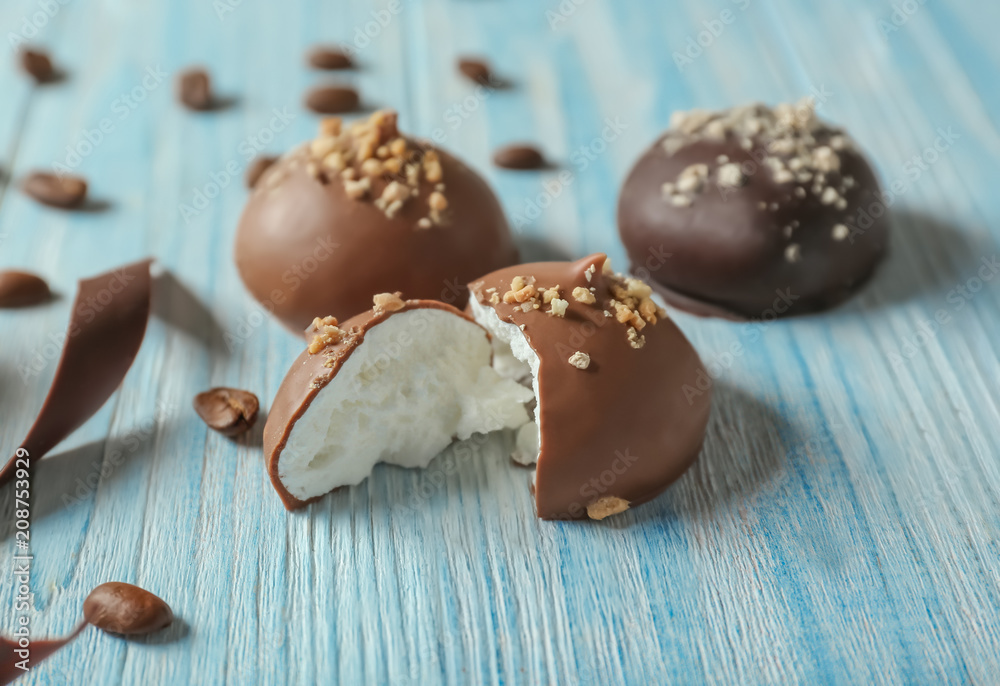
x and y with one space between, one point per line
842 523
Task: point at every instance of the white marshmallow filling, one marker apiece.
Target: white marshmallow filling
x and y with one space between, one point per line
513 358
419 380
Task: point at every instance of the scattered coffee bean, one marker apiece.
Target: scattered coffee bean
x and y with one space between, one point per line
38 65
194 90
257 169
329 59
518 157
121 608
229 411
475 70
67 192
21 289
332 99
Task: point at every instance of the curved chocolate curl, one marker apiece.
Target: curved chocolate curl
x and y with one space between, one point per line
106 328
39 650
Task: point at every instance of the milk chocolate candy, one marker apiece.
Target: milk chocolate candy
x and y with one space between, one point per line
395 384
618 416
751 207
22 289
362 210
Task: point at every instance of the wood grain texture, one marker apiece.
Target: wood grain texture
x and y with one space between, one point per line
842 524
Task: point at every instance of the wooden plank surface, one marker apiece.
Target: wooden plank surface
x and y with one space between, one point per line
842 523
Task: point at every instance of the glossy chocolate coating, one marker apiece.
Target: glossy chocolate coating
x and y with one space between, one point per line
363 252
121 608
728 254
623 426
105 331
309 374
38 650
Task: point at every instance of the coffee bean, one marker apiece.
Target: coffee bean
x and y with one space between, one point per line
21 289
332 99
518 157
329 59
66 191
229 411
121 608
475 70
38 65
257 169
194 90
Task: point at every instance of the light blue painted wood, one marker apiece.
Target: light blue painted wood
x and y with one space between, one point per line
841 526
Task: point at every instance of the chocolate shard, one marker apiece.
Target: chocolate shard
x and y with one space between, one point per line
105 331
9 658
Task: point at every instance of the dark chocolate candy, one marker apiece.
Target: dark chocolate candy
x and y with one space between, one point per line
121 608
753 210
106 328
618 415
38 65
194 90
314 243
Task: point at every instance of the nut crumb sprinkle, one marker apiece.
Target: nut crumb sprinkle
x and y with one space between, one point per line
606 506
580 360
388 302
326 332
377 164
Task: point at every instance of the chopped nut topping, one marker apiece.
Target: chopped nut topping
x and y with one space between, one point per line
840 232
558 307
787 140
326 333
583 295
580 360
606 506
550 294
373 150
793 253
635 339
388 302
